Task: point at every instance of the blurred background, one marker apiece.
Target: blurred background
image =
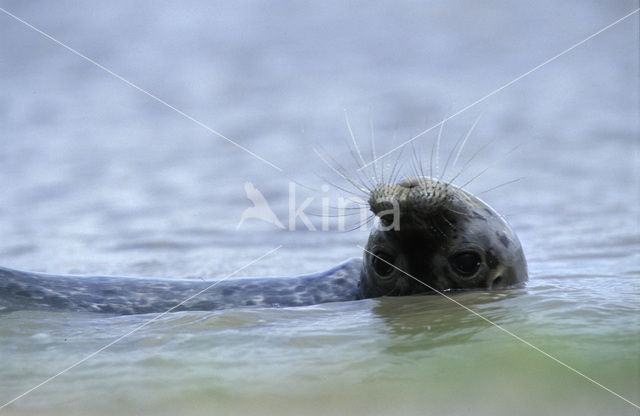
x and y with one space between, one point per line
97 177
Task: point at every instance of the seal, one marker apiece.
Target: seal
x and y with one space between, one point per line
432 236
437 237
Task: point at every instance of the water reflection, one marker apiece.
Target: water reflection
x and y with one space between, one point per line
432 321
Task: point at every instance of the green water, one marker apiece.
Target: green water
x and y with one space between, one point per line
417 355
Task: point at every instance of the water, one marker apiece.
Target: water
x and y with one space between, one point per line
98 178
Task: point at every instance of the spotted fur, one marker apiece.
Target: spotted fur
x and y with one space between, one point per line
127 295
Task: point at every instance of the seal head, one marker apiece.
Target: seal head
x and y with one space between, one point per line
434 235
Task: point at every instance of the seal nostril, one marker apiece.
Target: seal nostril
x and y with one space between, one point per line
496 282
409 185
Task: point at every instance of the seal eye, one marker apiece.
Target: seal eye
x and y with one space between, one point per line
382 263
466 263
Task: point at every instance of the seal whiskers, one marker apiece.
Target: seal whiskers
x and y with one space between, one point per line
428 228
491 165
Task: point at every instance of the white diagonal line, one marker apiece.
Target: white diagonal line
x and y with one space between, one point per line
161 101
136 329
503 329
457 113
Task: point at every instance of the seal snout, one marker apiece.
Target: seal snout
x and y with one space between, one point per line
414 198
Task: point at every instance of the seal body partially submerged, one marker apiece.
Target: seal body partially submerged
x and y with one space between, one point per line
134 295
436 236
433 237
